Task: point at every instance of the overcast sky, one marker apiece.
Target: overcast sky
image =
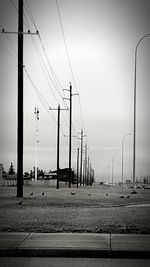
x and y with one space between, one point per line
101 36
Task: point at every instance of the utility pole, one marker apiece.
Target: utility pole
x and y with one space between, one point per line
58 135
90 174
36 112
20 102
20 34
81 157
70 131
86 164
88 171
58 143
77 166
81 160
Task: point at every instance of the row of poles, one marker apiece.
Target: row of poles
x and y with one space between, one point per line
20 34
84 170
86 167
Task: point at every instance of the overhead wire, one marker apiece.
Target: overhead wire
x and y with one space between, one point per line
44 102
57 83
6 50
16 9
69 61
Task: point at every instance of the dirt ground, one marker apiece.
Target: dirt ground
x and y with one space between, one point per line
99 209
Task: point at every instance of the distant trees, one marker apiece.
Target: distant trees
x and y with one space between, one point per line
11 169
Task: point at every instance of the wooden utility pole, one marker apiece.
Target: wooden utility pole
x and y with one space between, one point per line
81 160
81 157
77 166
70 131
85 164
58 143
20 102
58 139
36 112
88 171
20 33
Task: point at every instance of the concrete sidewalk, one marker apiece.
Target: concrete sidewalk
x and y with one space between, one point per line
75 245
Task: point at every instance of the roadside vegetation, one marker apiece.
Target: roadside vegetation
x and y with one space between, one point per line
98 209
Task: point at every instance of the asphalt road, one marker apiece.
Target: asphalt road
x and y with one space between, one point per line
72 262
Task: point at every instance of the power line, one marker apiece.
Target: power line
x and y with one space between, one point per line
44 102
67 52
14 6
8 52
57 84
16 9
30 14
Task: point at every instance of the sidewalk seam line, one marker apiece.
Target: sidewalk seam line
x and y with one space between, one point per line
23 240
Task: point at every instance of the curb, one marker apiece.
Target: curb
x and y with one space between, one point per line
73 252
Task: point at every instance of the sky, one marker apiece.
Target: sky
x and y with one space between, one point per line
100 37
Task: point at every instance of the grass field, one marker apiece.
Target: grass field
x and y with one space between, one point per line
100 209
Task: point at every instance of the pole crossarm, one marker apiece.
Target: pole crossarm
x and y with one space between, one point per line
75 94
66 90
20 32
57 109
65 98
71 136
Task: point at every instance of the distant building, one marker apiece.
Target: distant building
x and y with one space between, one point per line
64 175
128 181
146 179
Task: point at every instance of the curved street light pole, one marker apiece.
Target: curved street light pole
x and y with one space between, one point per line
134 126
123 152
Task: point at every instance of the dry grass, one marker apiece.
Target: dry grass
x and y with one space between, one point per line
90 209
